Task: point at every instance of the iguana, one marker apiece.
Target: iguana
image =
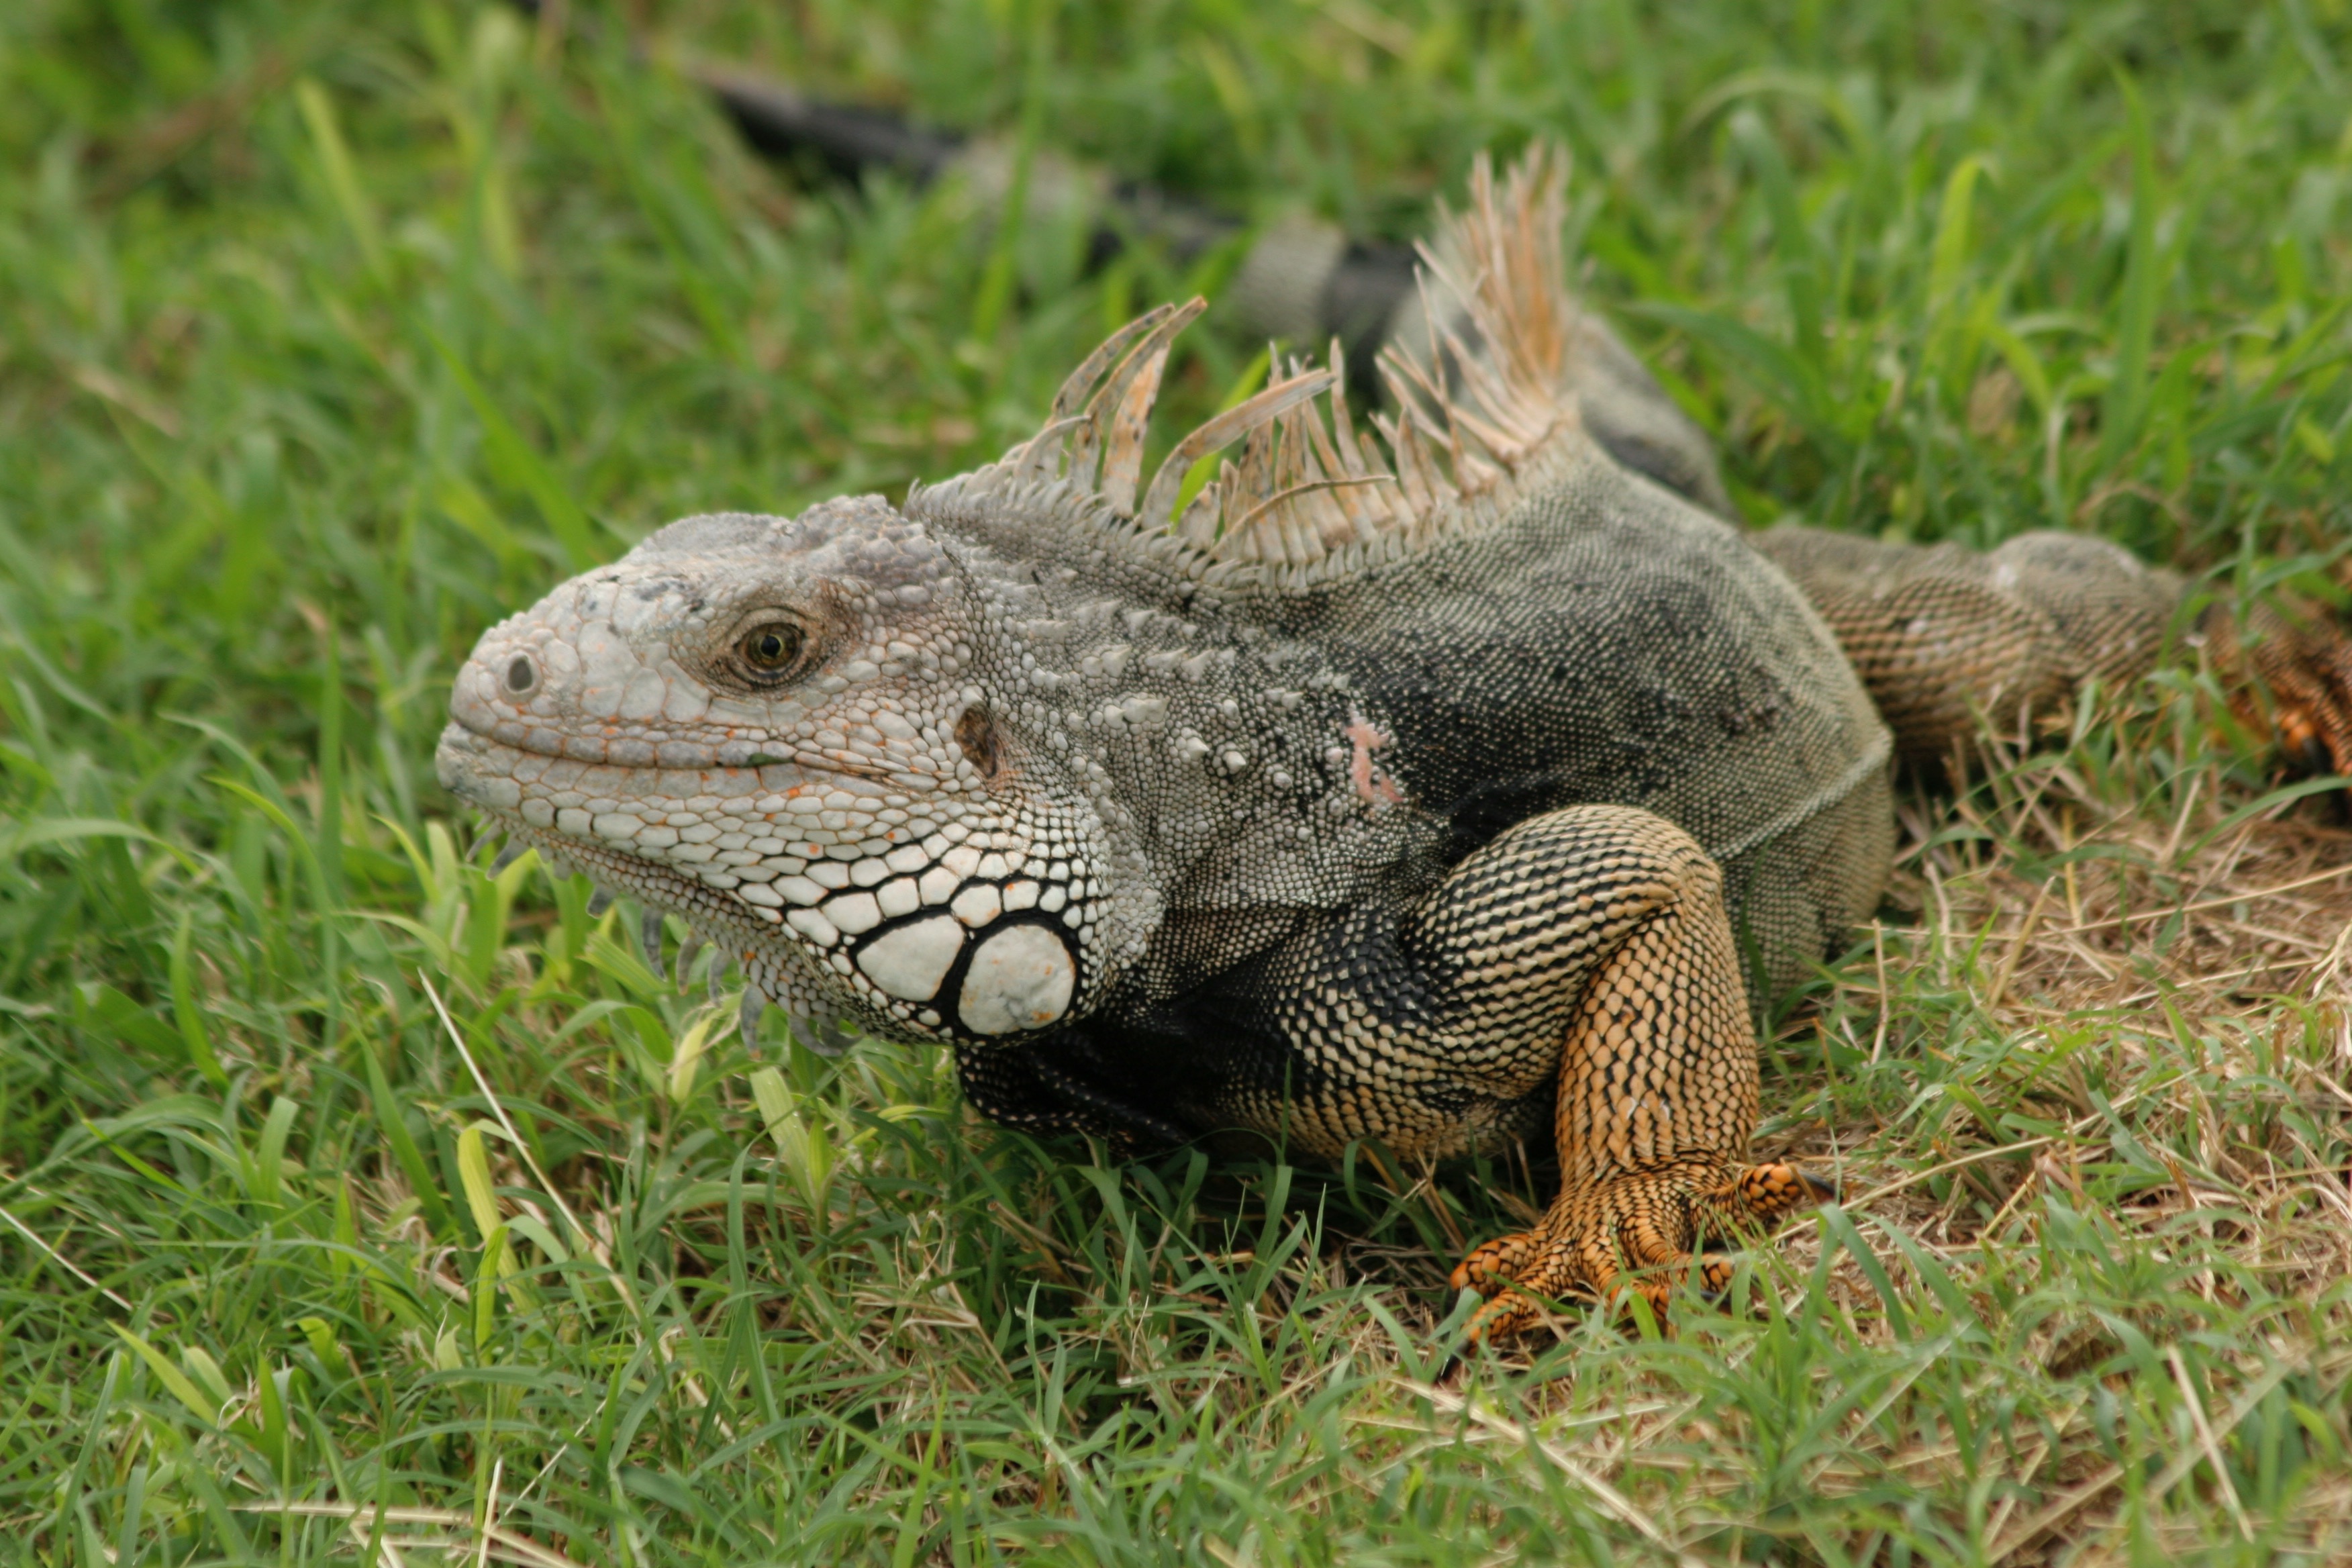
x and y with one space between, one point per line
1425 787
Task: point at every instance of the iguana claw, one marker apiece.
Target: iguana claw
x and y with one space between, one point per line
1639 1233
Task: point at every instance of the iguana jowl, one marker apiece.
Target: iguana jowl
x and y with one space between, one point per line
1418 789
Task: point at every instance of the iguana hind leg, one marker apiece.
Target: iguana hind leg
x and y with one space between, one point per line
2289 674
1657 1081
1946 640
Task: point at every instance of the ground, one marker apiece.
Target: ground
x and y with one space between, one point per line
331 333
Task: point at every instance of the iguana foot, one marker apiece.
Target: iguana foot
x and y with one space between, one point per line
1635 1233
2293 679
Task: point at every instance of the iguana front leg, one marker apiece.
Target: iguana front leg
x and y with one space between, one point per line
1604 927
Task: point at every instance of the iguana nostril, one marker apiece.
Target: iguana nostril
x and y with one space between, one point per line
522 673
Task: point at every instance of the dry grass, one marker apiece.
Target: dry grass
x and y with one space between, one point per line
2161 956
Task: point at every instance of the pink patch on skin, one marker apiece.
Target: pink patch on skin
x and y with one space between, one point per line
1373 787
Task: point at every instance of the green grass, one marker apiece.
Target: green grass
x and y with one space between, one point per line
330 334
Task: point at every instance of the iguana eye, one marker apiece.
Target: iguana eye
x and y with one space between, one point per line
770 649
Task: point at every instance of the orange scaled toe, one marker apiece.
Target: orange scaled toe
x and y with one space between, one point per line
1634 1233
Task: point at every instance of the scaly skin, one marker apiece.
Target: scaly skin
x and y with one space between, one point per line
1423 791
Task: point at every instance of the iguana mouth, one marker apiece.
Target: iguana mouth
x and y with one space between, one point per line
468 763
838 764
962 935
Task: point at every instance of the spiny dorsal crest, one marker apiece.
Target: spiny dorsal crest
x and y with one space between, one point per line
1478 411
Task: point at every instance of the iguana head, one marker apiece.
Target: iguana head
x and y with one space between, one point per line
784 729
926 765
